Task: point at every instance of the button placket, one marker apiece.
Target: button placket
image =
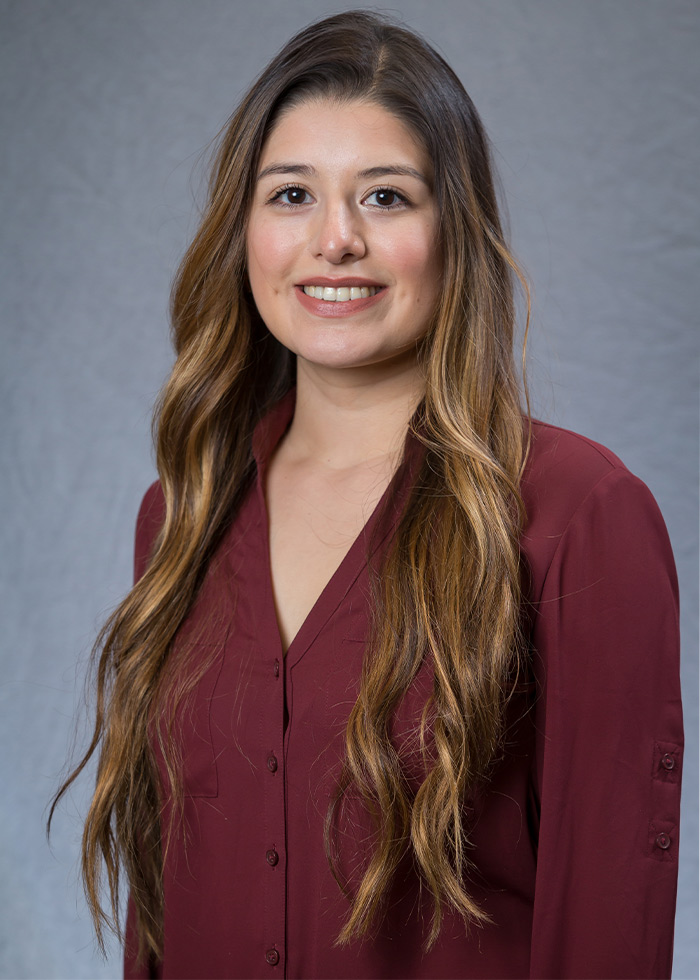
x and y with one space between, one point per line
272 731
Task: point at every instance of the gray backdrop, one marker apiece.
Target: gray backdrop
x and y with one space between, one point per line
106 106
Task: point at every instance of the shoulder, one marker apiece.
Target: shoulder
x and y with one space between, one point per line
148 523
571 482
563 468
572 461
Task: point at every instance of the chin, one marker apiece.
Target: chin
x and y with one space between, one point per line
335 352
337 361
347 360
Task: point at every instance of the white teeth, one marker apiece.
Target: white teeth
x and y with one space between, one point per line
342 294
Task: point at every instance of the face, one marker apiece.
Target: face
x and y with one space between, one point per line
343 257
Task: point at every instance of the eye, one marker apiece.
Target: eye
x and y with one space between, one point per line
386 198
290 196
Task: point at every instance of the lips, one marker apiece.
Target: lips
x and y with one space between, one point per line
343 298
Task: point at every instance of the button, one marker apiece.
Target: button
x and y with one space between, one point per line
668 762
663 841
272 762
276 672
272 857
272 957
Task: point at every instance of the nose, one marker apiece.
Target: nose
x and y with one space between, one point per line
338 235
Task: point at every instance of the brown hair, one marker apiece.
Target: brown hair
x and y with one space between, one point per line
449 587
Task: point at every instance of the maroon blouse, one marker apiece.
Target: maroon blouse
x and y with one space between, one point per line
576 837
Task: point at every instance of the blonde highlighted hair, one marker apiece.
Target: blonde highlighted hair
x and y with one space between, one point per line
448 590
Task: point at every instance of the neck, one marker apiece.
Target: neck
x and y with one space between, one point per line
346 418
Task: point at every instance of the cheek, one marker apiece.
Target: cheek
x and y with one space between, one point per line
415 256
416 261
269 254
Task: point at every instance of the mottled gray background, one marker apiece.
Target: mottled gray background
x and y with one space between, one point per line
105 109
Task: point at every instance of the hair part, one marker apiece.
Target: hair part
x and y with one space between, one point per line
447 592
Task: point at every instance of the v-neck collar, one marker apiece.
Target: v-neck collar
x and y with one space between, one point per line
380 524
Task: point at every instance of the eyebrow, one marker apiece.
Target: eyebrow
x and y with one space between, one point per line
385 170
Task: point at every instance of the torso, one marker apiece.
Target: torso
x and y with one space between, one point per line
604 692
315 513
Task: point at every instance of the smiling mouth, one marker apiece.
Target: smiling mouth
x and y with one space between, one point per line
342 294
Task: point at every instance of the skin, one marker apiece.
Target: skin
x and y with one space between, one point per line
358 379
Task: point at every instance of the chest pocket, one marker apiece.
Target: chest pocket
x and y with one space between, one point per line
185 730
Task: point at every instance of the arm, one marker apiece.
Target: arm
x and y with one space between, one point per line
147 526
135 969
609 742
148 523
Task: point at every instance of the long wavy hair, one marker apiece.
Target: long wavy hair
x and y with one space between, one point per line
447 591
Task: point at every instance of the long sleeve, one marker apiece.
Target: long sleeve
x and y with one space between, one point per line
610 741
135 969
147 525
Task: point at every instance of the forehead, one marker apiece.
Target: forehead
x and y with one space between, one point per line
342 134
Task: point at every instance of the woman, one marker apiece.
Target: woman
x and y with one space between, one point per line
396 691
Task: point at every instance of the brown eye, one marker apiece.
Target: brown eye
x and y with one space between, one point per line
386 197
290 196
295 195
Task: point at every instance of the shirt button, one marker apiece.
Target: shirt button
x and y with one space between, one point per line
663 841
276 672
272 957
272 857
272 763
668 762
